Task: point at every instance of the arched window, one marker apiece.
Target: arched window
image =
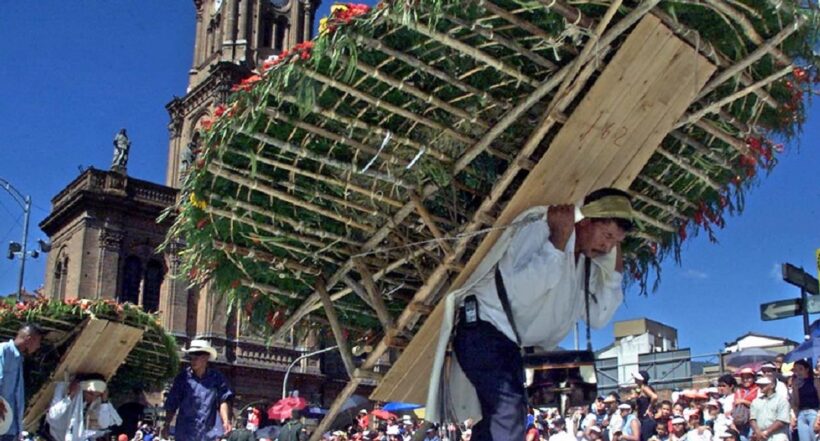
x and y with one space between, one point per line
131 278
154 273
279 38
58 287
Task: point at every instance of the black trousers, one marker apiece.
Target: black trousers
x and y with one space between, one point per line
494 365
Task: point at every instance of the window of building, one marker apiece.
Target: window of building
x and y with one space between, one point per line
131 278
281 27
154 273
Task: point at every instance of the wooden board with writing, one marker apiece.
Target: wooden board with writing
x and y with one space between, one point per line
101 347
606 141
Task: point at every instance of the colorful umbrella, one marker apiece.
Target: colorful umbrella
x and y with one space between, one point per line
383 414
749 355
283 409
395 406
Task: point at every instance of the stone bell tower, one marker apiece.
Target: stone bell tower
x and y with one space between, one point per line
233 38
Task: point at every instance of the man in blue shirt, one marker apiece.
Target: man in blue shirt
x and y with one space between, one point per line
26 342
201 396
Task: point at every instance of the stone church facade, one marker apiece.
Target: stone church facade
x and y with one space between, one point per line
105 235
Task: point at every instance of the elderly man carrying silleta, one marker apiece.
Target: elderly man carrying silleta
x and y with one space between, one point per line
80 410
535 274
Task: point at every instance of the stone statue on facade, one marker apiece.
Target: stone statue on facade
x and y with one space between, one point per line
121 147
188 157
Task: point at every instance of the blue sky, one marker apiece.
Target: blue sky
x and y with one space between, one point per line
74 73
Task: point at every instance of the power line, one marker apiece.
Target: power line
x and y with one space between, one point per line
9 211
8 233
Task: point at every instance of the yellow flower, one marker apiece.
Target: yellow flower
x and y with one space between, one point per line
323 26
198 203
338 7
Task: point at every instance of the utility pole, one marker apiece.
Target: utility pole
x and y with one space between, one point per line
14 249
24 242
807 284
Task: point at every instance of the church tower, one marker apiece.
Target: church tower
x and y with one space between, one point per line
233 38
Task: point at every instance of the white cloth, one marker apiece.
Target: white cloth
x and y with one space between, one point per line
721 424
545 287
695 435
69 419
728 403
616 424
562 436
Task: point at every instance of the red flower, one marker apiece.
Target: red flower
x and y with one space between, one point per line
305 55
206 123
682 232
236 284
202 223
800 74
219 110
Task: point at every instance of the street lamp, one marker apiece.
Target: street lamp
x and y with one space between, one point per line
298 359
19 249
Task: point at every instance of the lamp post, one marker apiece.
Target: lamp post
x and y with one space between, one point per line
298 359
25 204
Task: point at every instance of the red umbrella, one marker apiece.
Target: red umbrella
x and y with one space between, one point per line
282 409
383 414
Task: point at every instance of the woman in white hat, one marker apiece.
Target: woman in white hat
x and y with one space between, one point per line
632 425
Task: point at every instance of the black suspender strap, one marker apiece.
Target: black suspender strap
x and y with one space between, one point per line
505 302
587 267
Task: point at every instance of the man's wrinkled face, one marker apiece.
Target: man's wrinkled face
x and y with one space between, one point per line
598 238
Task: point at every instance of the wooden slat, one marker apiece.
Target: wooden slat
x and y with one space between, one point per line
114 340
591 145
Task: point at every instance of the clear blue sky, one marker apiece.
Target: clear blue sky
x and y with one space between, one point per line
73 73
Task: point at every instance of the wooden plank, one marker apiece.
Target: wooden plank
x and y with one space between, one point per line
605 142
98 336
376 299
336 327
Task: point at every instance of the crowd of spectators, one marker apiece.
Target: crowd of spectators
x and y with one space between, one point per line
763 404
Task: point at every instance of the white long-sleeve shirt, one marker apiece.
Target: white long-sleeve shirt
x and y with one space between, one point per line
545 286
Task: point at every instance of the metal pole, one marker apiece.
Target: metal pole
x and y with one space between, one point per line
804 298
298 359
576 335
27 213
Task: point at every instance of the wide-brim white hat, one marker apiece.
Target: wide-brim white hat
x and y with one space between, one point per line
199 345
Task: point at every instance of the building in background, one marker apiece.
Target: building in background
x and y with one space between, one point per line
104 231
760 341
643 344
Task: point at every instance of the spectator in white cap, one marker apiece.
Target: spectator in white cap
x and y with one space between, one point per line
698 431
770 370
678 429
770 413
363 419
714 413
632 425
594 433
